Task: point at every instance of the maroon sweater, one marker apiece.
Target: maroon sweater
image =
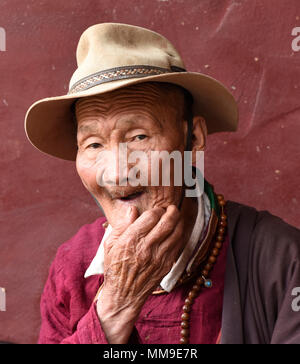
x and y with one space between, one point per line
69 314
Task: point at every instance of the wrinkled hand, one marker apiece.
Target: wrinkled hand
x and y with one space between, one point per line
137 255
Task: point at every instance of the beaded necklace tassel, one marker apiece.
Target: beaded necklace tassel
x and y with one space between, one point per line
203 280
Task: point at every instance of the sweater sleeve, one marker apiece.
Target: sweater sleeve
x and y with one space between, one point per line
89 330
56 326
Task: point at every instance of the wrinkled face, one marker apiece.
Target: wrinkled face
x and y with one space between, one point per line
142 118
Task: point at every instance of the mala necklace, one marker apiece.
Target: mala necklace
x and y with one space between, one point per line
203 278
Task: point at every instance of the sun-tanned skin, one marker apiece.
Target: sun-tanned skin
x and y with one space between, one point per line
149 232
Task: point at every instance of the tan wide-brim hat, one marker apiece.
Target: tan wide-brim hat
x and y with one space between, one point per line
111 56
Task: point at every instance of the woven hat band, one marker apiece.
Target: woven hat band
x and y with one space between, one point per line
119 73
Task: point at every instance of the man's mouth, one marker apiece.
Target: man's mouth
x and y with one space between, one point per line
131 197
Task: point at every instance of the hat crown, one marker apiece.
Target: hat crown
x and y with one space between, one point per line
111 45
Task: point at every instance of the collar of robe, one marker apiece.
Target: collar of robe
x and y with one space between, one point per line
204 247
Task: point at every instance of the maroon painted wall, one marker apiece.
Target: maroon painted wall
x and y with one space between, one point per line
245 44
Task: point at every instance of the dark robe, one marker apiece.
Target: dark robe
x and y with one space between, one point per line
263 269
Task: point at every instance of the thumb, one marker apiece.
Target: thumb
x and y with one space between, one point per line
130 215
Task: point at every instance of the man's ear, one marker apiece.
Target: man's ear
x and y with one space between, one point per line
199 135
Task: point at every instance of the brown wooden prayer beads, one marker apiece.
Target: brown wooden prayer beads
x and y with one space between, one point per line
202 280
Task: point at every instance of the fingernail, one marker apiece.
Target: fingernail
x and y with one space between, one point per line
129 211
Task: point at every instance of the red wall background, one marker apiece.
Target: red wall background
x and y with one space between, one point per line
245 44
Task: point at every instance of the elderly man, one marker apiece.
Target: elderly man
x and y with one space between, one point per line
162 266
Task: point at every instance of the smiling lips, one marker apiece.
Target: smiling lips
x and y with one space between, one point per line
132 196
126 194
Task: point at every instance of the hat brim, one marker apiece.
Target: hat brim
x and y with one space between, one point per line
50 127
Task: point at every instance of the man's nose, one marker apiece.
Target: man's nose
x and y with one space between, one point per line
112 167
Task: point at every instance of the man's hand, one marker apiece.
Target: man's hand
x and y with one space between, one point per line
137 255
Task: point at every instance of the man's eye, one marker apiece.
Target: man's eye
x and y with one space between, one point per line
94 146
140 137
